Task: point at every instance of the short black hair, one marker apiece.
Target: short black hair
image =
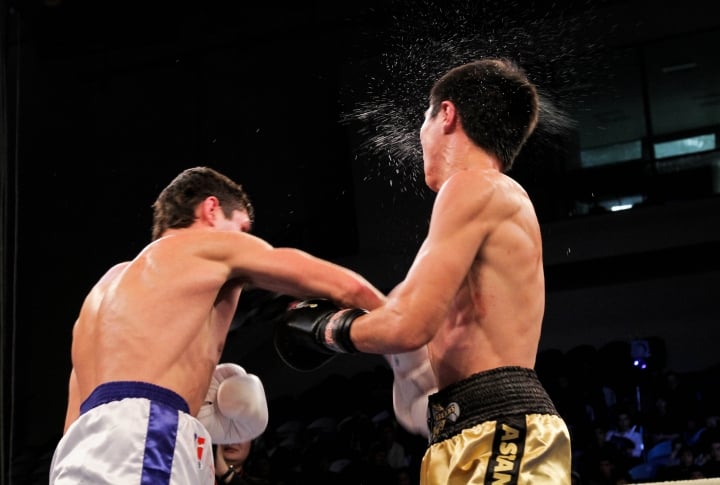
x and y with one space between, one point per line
496 103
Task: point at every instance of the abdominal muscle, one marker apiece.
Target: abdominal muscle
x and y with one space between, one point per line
483 331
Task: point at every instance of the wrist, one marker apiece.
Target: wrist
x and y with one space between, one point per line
336 332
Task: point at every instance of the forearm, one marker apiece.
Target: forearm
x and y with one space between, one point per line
342 285
293 272
314 330
359 293
383 331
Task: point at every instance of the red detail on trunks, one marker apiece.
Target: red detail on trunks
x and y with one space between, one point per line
200 447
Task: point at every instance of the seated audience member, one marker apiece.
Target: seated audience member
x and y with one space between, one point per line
605 470
661 423
628 437
231 467
682 467
710 457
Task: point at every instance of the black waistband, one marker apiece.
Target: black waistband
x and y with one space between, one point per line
115 391
486 396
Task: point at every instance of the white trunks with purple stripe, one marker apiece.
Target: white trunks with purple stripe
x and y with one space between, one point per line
134 433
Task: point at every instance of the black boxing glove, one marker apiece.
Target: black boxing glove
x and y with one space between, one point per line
313 331
260 307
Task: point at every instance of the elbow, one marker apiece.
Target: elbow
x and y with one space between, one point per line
408 334
418 340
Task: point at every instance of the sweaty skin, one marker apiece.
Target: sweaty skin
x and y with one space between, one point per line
163 317
475 292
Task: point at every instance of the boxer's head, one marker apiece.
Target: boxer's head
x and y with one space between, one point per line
496 103
176 204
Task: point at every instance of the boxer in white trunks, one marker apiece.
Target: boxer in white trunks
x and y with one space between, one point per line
150 333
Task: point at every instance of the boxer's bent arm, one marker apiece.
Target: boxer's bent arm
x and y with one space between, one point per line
465 210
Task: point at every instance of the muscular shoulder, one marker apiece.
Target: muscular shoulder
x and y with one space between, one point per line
111 274
482 191
206 244
115 270
217 255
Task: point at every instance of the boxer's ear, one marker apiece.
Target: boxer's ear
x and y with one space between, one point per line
207 210
450 119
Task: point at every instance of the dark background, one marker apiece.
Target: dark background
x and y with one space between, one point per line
314 107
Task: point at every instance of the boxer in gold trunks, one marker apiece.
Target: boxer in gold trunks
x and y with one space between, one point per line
474 297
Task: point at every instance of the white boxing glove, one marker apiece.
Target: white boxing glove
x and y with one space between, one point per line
414 380
235 408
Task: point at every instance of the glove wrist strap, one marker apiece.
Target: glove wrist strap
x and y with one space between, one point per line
336 332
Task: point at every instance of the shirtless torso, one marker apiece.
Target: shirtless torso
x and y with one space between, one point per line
496 314
475 292
163 317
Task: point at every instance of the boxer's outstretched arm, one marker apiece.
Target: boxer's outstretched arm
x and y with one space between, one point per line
294 272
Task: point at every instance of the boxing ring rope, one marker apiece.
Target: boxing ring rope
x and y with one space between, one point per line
697 481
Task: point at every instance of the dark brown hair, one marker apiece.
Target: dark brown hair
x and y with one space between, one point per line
176 204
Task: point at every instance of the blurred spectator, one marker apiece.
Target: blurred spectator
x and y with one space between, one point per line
576 478
376 470
403 476
394 450
661 423
680 397
605 470
587 454
710 458
628 437
683 465
707 433
231 465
